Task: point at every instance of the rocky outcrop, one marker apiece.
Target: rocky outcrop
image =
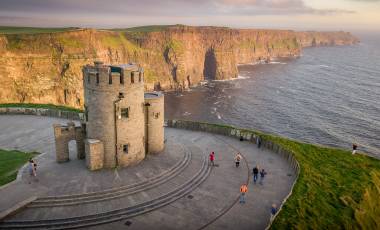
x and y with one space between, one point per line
46 68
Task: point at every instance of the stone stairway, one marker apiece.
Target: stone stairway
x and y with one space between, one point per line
83 210
78 199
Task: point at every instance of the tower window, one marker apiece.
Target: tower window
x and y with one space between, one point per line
122 78
125 148
110 78
133 77
89 78
125 112
97 78
140 76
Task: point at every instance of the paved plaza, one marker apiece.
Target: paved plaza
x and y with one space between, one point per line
176 189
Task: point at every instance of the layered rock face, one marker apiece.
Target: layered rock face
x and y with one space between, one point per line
46 68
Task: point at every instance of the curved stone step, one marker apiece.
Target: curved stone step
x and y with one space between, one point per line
114 193
118 214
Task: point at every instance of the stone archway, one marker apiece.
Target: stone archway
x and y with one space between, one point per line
63 136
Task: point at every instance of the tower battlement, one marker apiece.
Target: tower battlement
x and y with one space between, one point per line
112 76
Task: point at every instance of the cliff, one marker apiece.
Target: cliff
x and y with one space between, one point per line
46 67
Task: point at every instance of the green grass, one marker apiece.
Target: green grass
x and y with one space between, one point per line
32 30
42 106
10 163
335 189
152 28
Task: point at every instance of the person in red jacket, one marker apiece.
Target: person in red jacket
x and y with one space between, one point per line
212 158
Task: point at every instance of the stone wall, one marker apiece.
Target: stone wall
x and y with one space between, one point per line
69 115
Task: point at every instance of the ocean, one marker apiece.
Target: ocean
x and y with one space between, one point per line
329 96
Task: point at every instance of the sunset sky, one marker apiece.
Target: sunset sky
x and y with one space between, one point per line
352 15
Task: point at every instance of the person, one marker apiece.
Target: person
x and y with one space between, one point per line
243 191
354 147
255 172
262 175
32 167
273 211
35 167
212 158
237 160
258 141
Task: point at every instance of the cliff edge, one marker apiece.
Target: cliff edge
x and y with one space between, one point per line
46 67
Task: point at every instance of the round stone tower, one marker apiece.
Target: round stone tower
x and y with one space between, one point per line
114 111
154 120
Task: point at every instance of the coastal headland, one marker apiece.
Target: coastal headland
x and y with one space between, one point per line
44 66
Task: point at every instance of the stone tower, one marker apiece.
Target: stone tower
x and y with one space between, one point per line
122 124
154 120
114 105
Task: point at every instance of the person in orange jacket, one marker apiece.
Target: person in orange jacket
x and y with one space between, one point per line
243 191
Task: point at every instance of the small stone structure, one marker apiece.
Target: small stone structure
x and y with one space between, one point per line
63 135
94 154
122 124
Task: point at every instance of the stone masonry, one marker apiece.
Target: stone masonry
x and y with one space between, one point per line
94 154
124 123
63 135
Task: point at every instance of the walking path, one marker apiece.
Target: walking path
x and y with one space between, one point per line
171 190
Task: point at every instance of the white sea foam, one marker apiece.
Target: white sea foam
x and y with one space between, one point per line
277 62
233 79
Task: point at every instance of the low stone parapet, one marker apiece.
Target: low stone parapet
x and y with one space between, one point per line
70 115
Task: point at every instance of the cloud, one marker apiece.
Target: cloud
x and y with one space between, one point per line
155 7
100 11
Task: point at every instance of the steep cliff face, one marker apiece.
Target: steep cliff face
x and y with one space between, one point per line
46 68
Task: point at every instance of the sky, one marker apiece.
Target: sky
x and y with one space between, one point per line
348 15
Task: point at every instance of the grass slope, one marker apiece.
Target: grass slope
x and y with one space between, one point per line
10 162
43 106
32 30
335 189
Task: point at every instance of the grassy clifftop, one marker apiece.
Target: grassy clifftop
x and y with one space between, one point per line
33 30
335 189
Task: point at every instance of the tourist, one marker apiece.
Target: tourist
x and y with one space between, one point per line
262 175
255 172
237 160
212 158
273 211
354 147
243 191
32 168
258 141
35 168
